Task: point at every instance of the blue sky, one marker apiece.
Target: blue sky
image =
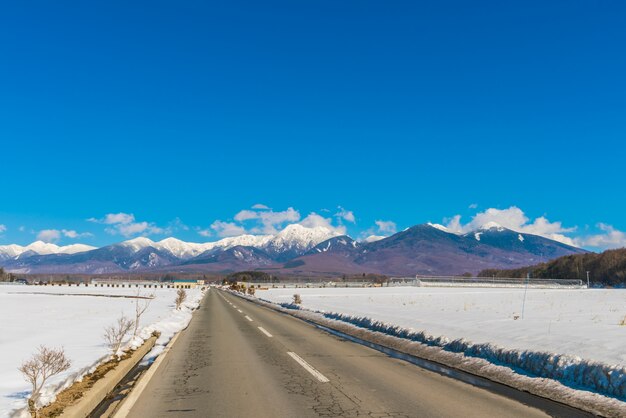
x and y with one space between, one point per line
184 114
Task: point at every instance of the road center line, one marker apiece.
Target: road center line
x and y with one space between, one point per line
239 310
265 332
308 367
248 318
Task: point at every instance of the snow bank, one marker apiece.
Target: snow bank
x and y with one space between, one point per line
74 318
593 402
605 379
572 336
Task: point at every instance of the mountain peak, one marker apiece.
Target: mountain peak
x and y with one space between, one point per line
440 227
138 243
297 239
492 226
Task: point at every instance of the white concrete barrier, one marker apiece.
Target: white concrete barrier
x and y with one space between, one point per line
96 394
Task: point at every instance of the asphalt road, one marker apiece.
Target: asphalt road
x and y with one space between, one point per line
223 365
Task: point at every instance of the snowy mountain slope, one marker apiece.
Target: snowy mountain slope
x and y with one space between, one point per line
432 250
422 249
40 248
342 244
230 259
296 240
187 250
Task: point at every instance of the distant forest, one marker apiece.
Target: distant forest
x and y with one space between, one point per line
607 268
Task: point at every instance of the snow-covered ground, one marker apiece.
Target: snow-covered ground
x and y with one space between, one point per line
575 337
583 323
74 318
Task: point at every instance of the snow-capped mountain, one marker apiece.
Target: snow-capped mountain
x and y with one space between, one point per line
187 250
40 248
422 249
296 240
339 245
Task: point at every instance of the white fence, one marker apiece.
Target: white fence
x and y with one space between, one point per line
487 282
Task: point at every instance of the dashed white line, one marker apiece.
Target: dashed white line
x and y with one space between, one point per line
265 332
239 310
308 367
248 318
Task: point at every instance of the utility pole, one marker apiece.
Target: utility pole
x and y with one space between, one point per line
587 280
525 291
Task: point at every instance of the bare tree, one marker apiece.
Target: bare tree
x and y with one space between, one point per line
297 300
114 334
141 305
45 363
181 296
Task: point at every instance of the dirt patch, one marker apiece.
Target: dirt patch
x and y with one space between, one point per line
72 394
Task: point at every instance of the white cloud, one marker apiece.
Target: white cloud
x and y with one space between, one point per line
49 235
114 218
313 220
260 206
473 206
246 215
3 228
54 235
225 229
268 220
135 228
346 215
382 229
263 220
611 238
125 224
386 227
204 232
515 219
175 226
70 233
373 238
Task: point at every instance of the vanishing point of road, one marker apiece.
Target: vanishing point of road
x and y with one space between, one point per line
239 359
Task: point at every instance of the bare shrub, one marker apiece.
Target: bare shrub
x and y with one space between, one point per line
623 321
297 300
114 334
251 291
141 305
45 363
181 296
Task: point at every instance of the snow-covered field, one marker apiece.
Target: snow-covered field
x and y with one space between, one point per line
74 318
585 324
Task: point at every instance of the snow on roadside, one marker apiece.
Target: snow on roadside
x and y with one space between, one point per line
479 323
74 318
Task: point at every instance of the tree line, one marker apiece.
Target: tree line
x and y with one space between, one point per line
607 268
6 277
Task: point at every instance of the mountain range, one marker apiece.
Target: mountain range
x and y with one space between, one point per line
426 249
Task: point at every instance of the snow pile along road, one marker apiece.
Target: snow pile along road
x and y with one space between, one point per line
74 318
573 336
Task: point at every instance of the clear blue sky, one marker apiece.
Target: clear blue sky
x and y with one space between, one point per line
398 111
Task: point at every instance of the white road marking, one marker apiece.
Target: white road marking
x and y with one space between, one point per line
265 332
239 310
248 318
234 306
308 367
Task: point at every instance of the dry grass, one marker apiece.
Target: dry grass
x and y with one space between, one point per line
623 321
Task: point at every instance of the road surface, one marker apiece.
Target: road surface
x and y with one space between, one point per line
238 359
